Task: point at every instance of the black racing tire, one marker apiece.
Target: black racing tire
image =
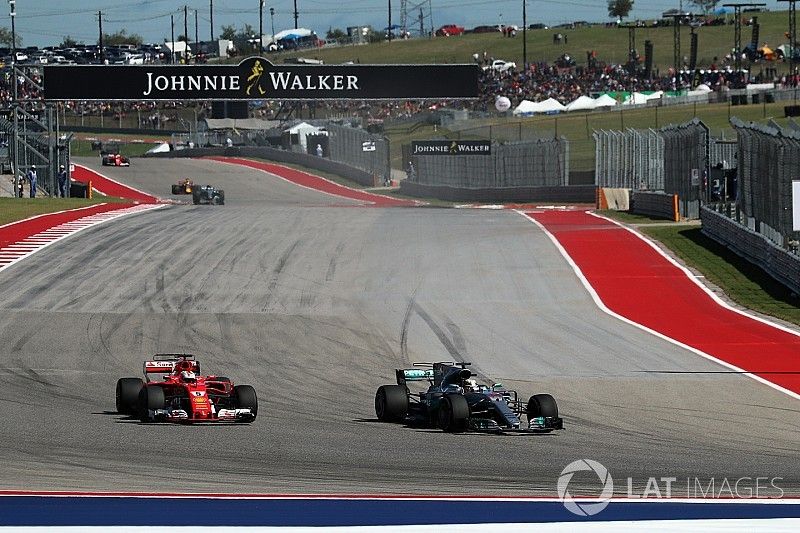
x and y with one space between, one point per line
542 405
453 413
391 403
246 398
176 189
215 200
196 199
150 398
127 396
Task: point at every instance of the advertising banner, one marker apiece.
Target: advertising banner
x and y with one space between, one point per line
451 147
255 78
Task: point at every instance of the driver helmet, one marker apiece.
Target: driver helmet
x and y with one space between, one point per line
471 385
188 376
33 167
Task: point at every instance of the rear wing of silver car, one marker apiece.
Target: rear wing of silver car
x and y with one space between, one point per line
413 374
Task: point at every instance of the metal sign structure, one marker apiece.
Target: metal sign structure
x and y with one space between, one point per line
255 78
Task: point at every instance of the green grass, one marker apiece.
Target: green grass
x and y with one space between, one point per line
610 43
745 283
631 218
13 209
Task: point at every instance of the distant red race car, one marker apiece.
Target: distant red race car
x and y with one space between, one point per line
184 395
115 160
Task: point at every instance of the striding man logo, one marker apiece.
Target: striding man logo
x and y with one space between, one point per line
254 79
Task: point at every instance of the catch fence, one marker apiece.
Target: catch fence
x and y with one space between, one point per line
539 163
673 159
769 159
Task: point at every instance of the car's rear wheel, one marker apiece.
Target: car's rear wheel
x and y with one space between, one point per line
176 189
128 395
542 405
150 399
391 403
246 398
453 413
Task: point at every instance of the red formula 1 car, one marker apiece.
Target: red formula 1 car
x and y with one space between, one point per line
184 395
115 160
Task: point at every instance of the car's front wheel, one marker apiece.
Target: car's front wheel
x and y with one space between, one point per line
246 398
150 399
453 413
542 405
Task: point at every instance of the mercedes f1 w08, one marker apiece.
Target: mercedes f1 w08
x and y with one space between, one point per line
183 395
454 402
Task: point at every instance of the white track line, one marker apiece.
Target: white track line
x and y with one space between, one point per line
599 302
13 253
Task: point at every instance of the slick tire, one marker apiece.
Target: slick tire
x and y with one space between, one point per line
542 405
391 403
150 399
246 398
176 189
453 413
128 390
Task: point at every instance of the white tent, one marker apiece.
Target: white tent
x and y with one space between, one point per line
162 147
526 107
292 34
581 103
302 129
635 99
549 105
604 101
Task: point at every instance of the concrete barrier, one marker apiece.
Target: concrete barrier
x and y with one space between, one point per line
279 156
777 262
582 194
655 204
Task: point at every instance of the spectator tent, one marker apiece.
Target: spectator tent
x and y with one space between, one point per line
604 101
582 103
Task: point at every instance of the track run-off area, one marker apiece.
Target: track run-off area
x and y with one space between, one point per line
294 287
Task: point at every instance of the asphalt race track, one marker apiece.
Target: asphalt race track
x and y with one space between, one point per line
315 301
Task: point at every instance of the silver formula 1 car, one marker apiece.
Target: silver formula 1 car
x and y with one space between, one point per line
454 402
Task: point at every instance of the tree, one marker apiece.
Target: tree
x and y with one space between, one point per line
121 37
5 37
335 34
68 42
619 8
183 38
228 32
706 5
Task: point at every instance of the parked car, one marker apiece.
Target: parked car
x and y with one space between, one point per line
486 29
500 65
449 29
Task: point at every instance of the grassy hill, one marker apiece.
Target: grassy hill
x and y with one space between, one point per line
610 43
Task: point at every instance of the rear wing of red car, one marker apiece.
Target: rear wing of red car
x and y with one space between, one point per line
166 363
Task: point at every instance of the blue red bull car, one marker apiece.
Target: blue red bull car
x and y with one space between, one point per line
454 402
183 395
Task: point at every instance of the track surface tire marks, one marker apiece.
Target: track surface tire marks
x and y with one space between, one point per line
311 181
315 307
244 186
636 281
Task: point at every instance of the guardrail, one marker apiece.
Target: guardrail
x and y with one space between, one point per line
779 263
655 204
